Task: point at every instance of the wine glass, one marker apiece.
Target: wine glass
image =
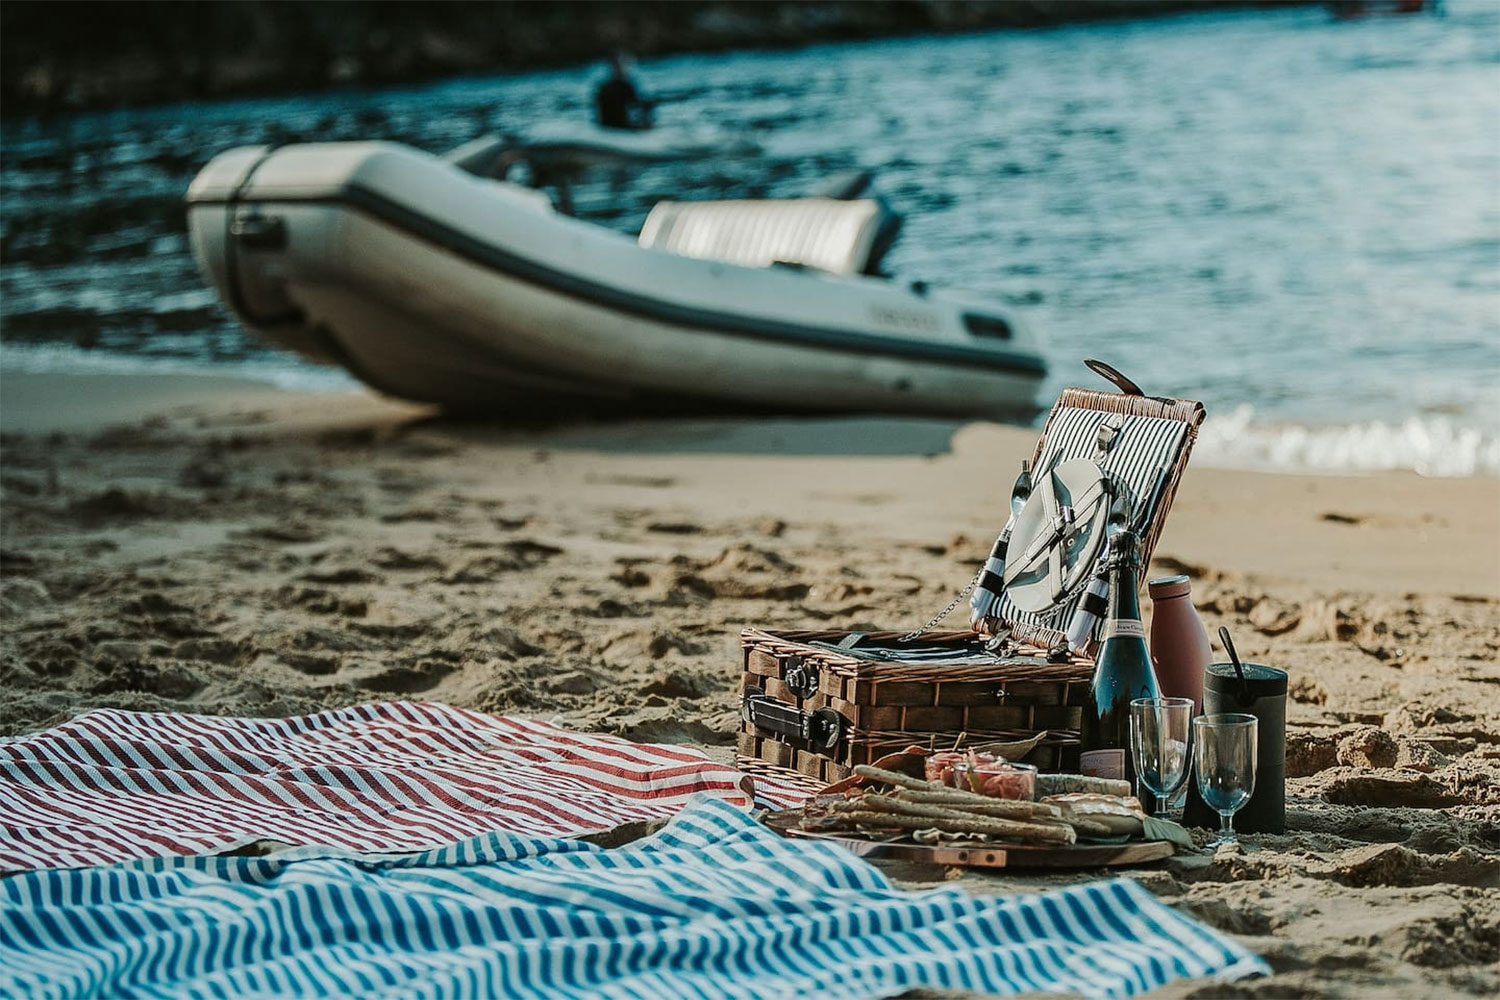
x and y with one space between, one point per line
1159 733
1224 752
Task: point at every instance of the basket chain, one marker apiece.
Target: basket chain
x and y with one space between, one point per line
962 594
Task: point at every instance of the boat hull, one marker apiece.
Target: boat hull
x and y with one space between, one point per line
476 297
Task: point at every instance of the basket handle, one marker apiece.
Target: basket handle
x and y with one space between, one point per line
1114 375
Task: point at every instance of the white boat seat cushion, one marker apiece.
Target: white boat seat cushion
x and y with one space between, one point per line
841 237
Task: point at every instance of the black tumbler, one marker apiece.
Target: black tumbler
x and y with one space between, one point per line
1263 695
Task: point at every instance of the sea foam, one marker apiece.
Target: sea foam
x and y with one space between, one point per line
289 374
1428 445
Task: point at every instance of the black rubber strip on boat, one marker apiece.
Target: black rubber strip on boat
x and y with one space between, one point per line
426 228
232 284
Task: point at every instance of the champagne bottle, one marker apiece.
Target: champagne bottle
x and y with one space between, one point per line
1123 671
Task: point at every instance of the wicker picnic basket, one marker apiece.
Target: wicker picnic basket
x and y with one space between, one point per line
818 712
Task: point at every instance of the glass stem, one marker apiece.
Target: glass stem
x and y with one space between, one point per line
1226 827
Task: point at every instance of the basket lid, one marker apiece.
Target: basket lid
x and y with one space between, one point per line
1149 440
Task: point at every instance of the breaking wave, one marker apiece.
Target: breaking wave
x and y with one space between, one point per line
283 373
1430 446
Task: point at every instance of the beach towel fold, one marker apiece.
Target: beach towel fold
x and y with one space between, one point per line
714 905
398 776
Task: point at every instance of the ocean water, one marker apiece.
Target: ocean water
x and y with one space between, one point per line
1292 218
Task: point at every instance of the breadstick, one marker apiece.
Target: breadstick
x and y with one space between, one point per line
886 803
1021 812
981 824
968 824
889 803
894 778
954 798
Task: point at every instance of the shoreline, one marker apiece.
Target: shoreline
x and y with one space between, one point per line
45 398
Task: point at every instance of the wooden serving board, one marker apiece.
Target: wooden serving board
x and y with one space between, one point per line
985 855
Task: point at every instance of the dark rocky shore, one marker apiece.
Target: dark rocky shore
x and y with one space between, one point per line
57 57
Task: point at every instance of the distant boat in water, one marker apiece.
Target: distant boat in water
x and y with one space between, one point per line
433 283
1345 9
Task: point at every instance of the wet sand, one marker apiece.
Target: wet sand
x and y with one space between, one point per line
171 544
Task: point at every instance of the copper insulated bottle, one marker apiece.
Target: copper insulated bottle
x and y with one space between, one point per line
1179 645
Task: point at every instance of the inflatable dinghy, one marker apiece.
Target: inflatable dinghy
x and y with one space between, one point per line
433 284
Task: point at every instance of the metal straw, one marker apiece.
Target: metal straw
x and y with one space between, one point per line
1235 659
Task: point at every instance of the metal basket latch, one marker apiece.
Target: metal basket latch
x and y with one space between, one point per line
800 676
819 731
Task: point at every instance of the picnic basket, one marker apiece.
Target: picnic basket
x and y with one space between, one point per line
816 710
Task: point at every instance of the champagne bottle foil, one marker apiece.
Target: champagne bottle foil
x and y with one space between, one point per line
1263 695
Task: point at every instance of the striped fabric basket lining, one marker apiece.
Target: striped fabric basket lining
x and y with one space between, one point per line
1157 434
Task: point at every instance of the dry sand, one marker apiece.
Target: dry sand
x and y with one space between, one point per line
171 544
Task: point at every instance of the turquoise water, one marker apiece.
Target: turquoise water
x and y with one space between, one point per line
1293 218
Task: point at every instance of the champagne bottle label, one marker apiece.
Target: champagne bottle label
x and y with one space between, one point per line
1124 627
1102 764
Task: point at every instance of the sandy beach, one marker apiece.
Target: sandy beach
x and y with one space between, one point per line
213 545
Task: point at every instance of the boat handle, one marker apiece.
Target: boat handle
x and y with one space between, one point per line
259 232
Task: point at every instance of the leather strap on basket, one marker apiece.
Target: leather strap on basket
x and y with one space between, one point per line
819 730
1114 375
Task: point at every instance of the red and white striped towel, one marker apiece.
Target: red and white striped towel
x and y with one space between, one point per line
110 786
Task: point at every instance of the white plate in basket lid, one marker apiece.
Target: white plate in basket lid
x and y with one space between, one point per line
1057 535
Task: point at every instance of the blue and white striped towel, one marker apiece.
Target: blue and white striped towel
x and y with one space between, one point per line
714 905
